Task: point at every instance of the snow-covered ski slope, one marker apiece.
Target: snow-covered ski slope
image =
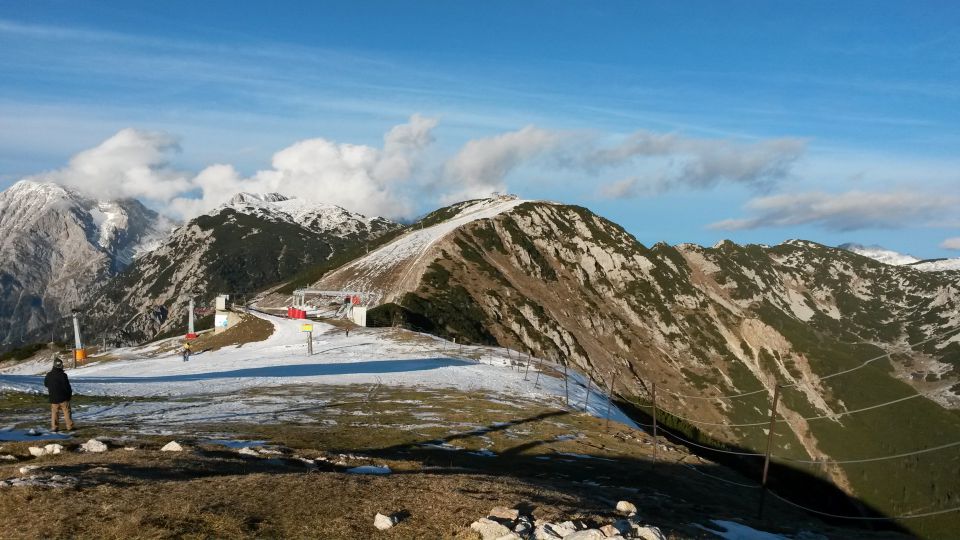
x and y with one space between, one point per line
397 267
368 356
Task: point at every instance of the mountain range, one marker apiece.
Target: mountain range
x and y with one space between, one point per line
867 354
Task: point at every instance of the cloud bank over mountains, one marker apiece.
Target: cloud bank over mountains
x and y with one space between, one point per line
394 179
390 179
848 211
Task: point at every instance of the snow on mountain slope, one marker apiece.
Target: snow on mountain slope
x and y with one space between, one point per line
398 266
252 241
366 356
318 217
56 245
937 265
895 258
877 253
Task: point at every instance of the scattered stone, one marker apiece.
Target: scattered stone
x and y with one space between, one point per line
247 451
626 508
129 448
36 451
370 469
586 534
93 446
27 468
100 470
649 533
489 529
500 512
549 531
523 528
8 457
172 446
383 522
610 530
545 532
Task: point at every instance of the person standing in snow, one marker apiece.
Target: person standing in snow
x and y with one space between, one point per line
186 351
58 387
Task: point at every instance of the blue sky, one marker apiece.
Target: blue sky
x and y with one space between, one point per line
683 121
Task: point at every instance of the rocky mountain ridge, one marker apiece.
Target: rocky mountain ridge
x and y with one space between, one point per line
702 323
57 245
238 248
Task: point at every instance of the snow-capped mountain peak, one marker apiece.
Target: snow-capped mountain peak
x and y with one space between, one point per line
878 253
317 217
895 258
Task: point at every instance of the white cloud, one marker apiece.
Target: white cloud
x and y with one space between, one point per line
698 163
131 163
481 166
361 178
951 243
845 211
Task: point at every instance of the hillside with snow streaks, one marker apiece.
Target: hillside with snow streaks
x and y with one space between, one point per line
252 241
318 217
398 266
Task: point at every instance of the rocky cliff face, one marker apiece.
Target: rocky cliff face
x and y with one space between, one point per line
57 245
703 322
252 241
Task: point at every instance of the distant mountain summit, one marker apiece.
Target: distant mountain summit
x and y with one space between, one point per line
887 256
318 217
57 244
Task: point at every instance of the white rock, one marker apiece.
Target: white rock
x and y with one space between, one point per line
36 451
172 446
626 508
649 533
489 529
610 530
586 534
8 457
500 512
93 446
27 468
247 451
549 531
545 532
383 522
52 449
511 536
129 448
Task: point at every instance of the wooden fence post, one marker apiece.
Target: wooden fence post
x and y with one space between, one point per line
766 459
655 443
613 375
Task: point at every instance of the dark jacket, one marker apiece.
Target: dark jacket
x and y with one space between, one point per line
58 385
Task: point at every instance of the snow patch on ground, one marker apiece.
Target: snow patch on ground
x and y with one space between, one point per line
368 356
